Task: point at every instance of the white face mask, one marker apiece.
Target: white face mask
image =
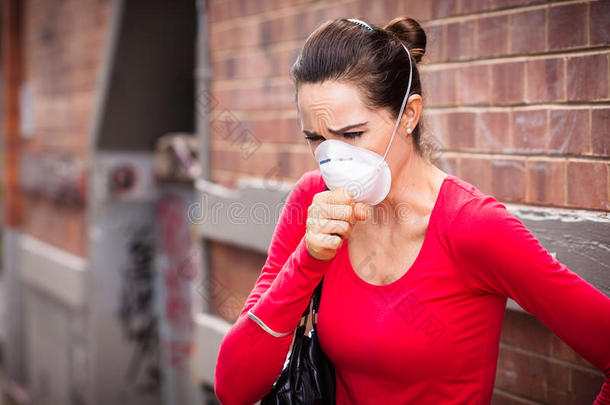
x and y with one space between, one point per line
361 171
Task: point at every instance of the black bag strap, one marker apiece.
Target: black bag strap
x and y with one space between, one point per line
314 303
317 295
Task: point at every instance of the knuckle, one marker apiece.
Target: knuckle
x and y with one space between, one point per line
308 222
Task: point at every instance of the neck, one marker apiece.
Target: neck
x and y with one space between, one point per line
413 191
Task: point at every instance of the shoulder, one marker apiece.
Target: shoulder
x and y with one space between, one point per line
468 210
476 220
300 197
462 201
313 180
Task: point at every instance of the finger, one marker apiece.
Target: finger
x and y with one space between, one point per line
320 241
339 196
328 226
361 211
339 212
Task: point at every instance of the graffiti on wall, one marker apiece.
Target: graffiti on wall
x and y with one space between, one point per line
137 315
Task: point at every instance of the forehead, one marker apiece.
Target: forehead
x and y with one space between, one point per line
331 100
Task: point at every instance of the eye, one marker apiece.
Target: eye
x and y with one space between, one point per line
314 138
352 135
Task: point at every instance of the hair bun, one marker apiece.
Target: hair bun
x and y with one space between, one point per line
411 34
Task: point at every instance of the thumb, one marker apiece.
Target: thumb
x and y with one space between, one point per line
361 211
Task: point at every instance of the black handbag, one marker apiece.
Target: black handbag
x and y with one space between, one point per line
309 376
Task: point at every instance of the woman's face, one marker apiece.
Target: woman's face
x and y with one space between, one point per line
335 110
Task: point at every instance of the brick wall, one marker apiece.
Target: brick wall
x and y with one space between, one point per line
63 43
517 92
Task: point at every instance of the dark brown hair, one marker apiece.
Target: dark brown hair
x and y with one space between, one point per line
374 60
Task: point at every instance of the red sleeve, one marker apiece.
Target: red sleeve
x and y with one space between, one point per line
250 359
500 256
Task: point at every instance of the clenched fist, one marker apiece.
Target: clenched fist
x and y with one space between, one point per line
330 219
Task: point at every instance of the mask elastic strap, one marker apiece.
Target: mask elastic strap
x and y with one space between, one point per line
404 103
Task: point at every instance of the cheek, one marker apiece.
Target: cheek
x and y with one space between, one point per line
376 140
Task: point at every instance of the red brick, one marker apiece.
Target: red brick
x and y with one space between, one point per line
270 163
219 11
417 9
493 130
247 7
507 82
437 125
461 130
224 159
440 86
587 77
477 171
507 3
334 11
600 131
529 130
435 43
503 398
278 29
526 331
527 31
49 217
268 97
447 164
533 377
567 26
569 131
588 185
474 85
545 80
239 36
443 8
301 162
508 180
599 24
284 130
493 36
547 182
585 385
377 12
460 40
233 273
224 178
304 24
473 6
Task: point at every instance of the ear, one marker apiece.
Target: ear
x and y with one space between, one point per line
412 113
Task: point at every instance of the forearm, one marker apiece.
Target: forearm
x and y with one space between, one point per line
250 359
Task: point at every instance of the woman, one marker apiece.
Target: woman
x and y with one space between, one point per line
415 286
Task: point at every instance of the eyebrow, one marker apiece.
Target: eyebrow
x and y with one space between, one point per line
336 131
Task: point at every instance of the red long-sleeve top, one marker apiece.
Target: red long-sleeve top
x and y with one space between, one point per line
429 337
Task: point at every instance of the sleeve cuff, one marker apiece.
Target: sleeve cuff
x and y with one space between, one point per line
278 311
307 261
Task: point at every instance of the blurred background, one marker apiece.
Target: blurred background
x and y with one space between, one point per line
148 147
